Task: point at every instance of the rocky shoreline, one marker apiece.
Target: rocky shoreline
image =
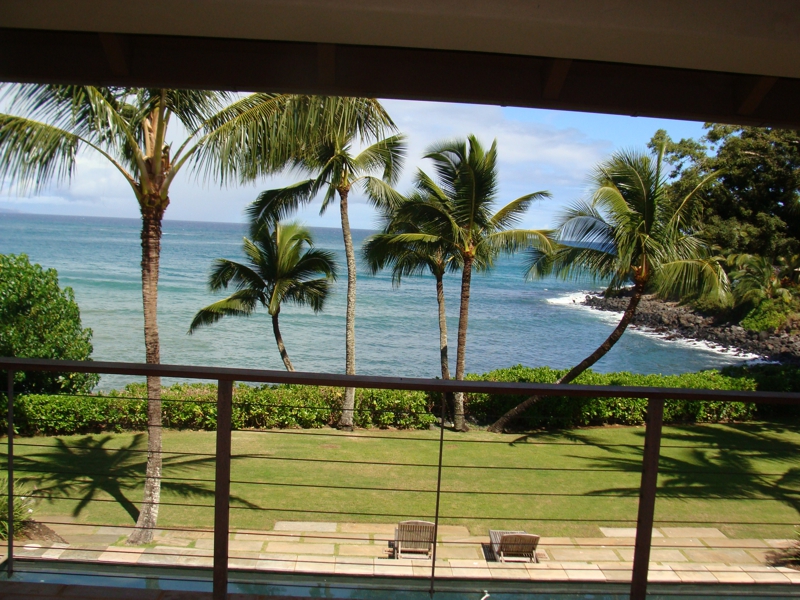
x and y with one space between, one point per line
680 322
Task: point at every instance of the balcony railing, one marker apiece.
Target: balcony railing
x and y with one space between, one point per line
225 378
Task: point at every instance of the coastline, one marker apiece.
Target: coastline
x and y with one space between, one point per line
672 321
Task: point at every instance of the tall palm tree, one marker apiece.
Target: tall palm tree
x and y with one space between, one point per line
337 169
227 139
282 266
390 249
454 212
630 232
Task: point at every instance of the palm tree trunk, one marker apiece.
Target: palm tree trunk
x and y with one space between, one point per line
638 290
281 348
348 405
461 348
151 252
445 361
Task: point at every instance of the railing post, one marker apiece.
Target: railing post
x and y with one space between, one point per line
10 547
222 488
647 498
431 591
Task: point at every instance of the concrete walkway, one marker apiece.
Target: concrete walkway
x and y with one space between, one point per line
686 554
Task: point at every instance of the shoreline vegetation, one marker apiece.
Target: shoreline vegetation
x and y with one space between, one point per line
679 321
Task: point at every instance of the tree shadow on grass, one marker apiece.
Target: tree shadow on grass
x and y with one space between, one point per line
86 468
742 461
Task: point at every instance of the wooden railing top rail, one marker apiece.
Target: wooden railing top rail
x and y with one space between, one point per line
395 383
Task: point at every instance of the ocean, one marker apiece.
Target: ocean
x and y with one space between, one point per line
511 321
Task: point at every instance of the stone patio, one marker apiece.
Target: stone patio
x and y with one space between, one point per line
686 554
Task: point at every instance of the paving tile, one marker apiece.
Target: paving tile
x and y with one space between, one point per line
732 577
556 541
466 552
734 543
121 555
276 562
304 526
761 556
773 543
266 537
606 541
692 532
364 550
469 569
353 565
621 571
693 573
465 539
424 570
238 562
722 555
117 531
315 564
791 574
378 528
94 540
53 553
80 554
663 576
453 530
509 571
233 545
385 567
774 577
629 532
68 530
582 554
656 554
583 572
547 574
173 541
678 543
300 548
336 538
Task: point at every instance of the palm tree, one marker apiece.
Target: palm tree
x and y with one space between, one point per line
630 232
755 279
454 213
228 138
389 248
282 266
338 170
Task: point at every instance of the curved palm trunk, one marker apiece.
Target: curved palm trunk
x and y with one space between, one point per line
461 349
638 290
151 252
348 405
445 361
279 339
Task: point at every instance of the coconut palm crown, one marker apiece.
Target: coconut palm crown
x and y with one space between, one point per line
336 168
282 267
630 232
455 211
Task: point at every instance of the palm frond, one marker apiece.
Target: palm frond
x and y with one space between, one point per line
511 214
241 303
385 155
277 204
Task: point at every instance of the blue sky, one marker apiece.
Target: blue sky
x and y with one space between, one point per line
538 150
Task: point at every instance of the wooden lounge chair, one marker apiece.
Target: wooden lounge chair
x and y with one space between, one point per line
513 543
413 537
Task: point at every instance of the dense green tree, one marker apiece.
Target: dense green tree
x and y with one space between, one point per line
753 206
455 212
283 266
228 139
630 232
336 168
40 320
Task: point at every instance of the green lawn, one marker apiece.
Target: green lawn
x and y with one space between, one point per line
574 481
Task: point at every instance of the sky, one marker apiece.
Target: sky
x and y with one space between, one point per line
538 150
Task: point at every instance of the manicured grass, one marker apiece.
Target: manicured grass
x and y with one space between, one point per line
573 481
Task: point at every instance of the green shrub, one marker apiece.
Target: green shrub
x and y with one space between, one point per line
193 406
40 320
564 412
23 508
767 315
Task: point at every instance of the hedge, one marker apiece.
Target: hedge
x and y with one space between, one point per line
564 412
193 406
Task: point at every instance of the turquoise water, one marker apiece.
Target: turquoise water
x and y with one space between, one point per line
511 321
